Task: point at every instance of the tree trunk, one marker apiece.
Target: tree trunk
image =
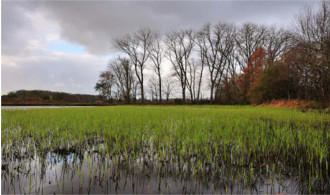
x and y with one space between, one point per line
160 88
200 83
142 93
142 89
211 95
183 95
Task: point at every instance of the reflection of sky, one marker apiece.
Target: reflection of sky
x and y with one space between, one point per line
61 46
59 160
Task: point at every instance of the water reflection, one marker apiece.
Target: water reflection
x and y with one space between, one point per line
94 173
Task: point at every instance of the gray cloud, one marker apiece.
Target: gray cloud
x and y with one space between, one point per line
95 24
14 25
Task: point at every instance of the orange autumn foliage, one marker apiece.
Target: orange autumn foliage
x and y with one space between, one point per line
252 73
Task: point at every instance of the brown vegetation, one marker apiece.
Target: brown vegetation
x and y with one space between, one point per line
301 104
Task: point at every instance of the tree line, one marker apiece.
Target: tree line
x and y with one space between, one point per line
239 64
46 97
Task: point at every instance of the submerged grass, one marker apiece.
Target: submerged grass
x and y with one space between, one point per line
201 139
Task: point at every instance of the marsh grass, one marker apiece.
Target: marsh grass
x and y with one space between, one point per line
227 144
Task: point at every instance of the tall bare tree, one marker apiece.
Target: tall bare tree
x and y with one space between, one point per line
195 76
179 49
249 38
313 40
137 47
135 90
169 85
191 79
157 54
122 69
277 43
153 87
215 47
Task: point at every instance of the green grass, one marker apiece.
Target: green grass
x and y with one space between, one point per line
231 136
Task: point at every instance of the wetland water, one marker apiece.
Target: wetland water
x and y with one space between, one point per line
92 173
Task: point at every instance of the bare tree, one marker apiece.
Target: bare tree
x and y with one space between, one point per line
199 94
135 90
277 43
249 38
179 48
313 40
122 70
153 87
215 47
137 47
169 85
157 53
191 79
195 75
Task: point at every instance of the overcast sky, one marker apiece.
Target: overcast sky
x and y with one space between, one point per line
62 46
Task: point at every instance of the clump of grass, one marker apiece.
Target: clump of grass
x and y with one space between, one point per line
199 140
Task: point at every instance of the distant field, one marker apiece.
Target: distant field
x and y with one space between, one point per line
238 145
